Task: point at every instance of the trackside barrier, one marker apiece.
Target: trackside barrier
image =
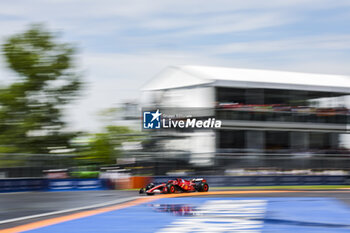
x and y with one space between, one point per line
140 181
75 184
130 182
23 184
42 184
222 181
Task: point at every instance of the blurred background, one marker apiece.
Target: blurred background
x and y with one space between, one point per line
75 76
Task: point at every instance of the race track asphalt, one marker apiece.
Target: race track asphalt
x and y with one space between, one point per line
22 204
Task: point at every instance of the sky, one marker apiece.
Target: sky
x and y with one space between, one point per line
124 43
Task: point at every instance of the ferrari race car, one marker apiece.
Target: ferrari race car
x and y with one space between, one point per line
177 185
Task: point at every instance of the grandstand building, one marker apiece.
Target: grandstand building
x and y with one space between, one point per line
268 117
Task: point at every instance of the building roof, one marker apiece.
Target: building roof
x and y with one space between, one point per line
187 76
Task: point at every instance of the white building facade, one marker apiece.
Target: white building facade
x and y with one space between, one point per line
264 113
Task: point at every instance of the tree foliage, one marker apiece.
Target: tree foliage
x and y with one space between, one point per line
32 107
105 147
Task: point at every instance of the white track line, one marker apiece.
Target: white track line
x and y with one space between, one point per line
69 210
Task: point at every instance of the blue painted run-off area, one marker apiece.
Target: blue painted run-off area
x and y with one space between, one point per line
217 215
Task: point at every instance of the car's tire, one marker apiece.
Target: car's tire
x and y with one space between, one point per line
171 188
150 194
204 187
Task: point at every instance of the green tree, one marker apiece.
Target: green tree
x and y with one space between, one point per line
104 147
31 108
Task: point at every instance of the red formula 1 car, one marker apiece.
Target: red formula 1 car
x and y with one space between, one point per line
177 185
